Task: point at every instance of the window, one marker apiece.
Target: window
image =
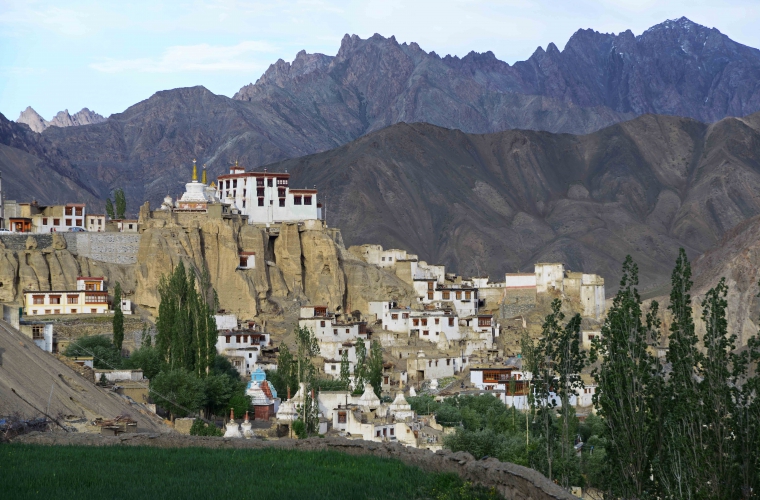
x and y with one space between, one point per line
448 362
341 417
282 202
307 200
227 184
391 431
95 299
259 191
378 434
468 295
348 331
430 285
93 311
394 316
44 221
227 338
243 203
68 222
73 311
38 332
100 221
69 211
72 299
245 339
91 286
459 295
261 202
131 226
234 193
56 222
322 324
78 212
332 367
55 299
405 316
383 259
484 321
38 299
282 182
237 338
430 295
335 331
56 311
79 223
424 321
234 183
269 182
425 332
245 191
296 200
416 322
260 182
451 321
281 192
437 321
47 311
446 295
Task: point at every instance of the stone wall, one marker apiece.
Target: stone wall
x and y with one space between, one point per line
517 301
514 482
114 248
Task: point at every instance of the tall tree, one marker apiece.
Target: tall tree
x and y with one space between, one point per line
307 347
360 368
109 209
118 318
375 367
345 370
681 453
186 326
121 203
627 378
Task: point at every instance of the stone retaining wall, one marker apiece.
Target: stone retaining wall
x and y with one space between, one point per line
514 482
115 248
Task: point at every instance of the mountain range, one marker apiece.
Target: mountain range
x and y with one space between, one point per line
420 151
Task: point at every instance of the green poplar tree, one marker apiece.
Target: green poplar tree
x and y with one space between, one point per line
121 203
360 368
109 209
307 347
118 318
375 367
627 378
345 370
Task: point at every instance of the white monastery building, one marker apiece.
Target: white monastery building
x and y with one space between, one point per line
266 197
90 297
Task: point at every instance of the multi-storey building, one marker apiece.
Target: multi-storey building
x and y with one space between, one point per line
267 197
36 218
90 297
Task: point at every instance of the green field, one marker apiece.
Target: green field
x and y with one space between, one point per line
64 472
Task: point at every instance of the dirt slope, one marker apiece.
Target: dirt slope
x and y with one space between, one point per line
31 372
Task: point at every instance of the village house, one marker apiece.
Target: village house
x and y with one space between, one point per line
36 218
90 297
423 367
329 327
241 346
95 223
332 353
267 197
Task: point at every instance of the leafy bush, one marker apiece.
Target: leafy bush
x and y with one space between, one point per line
201 428
300 429
147 359
106 355
178 391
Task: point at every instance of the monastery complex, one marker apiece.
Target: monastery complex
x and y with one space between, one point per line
440 332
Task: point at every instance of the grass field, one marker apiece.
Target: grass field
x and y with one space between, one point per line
64 472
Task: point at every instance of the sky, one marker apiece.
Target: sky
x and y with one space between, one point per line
108 55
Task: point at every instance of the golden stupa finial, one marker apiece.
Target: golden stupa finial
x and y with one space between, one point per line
203 177
195 172
236 163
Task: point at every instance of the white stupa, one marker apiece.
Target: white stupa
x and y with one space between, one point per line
369 400
197 195
400 407
233 428
246 427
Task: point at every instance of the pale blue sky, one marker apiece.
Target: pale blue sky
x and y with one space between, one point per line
108 55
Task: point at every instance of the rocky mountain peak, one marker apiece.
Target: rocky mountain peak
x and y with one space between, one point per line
30 117
62 119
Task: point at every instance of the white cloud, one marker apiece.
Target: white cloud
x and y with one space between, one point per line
202 57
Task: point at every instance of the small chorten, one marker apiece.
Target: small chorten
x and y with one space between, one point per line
233 429
246 426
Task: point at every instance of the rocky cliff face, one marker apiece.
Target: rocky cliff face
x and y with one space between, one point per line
300 265
62 119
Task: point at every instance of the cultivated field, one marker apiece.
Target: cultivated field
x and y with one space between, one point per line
62 472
